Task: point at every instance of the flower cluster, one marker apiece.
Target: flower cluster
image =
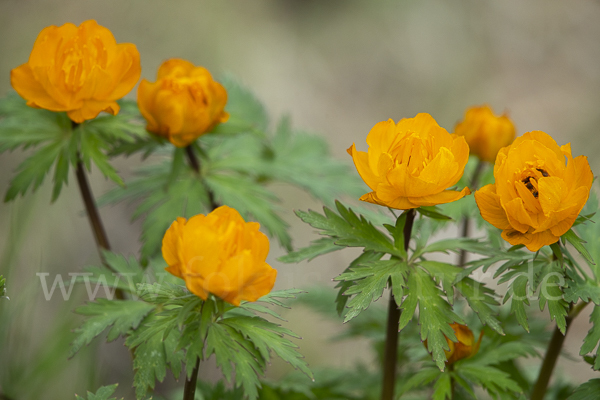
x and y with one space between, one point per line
539 191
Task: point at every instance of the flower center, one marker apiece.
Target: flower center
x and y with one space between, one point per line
531 181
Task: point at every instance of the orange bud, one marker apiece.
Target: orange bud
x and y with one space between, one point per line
221 254
184 102
465 346
485 132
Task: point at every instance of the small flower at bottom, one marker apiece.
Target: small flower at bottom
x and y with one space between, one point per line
465 346
485 132
220 253
77 69
412 163
538 193
184 102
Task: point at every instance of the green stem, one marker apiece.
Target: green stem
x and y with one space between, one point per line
552 353
466 223
452 380
94 216
390 355
195 164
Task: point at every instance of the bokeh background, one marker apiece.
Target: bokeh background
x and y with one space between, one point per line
336 67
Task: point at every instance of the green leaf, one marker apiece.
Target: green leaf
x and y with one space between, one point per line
519 299
421 379
370 279
433 212
101 394
25 127
232 348
246 113
316 248
435 314
576 241
342 299
151 360
583 289
350 230
304 161
550 291
122 315
589 390
91 149
443 388
505 352
32 171
479 298
590 342
266 337
492 379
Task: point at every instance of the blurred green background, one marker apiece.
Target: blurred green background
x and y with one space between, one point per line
337 67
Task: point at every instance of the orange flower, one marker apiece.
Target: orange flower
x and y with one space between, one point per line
220 254
465 346
485 133
539 191
412 163
80 70
184 102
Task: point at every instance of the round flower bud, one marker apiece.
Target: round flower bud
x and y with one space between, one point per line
220 253
80 70
412 163
485 132
464 347
184 102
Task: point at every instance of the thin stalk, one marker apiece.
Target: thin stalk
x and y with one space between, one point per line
93 216
390 355
189 390
552 353
195 164
466 223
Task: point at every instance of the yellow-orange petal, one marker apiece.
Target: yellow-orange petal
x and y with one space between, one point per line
490 208
533 241
447 196
91 109
126 68
28 87
361 162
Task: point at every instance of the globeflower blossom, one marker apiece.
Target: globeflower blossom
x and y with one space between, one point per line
80 70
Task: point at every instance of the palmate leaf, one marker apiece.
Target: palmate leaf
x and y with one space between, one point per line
589 390
305 161
122 315
60 145
480 298
342 298
231 348
350 230
103 393
316 248
435 314
495 381
550 292
246 112
151 360
266 337
369 279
